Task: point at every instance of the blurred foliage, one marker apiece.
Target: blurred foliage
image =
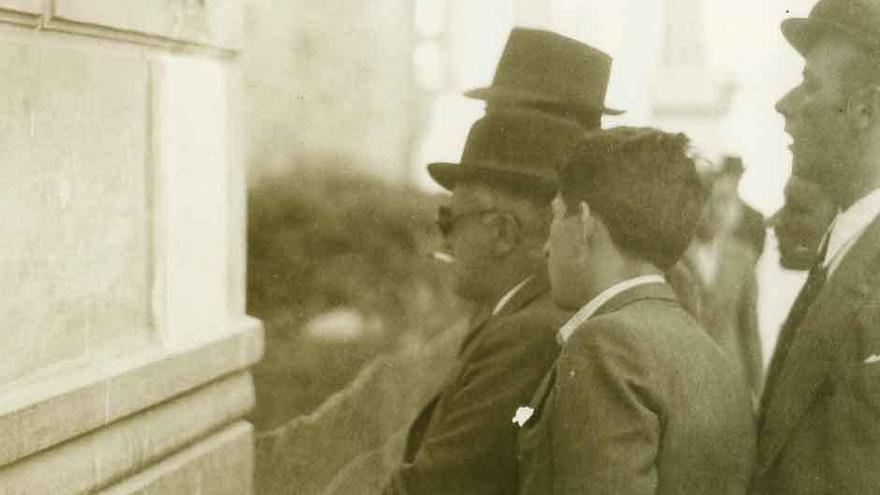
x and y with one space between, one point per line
319 239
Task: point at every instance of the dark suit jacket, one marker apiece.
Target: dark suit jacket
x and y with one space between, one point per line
820 418
464 441
640 401
728 309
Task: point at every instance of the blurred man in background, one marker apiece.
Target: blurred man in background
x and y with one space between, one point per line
821 406
641 400
546 91
748 224
724 265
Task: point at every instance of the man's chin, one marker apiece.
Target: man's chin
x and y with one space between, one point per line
791 260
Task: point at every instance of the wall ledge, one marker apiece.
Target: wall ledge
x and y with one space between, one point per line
219 465
38 414
137 38
8 16
105 456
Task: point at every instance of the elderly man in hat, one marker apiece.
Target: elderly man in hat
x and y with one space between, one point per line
559 76
818 426
547 88
641 400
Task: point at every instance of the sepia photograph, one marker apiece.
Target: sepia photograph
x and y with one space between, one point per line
427 247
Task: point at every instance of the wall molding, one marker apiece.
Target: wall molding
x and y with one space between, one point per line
48 23
179 473
105 456
137 38
15 17
37 414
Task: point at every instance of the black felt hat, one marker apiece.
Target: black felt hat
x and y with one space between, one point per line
542 67
515 148
859 20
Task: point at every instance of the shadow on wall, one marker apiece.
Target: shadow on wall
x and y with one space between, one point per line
339 271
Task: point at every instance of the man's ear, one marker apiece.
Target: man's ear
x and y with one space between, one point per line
863 107
588 223
506 233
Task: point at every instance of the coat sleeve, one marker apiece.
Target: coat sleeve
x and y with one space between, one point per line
606 425
470 446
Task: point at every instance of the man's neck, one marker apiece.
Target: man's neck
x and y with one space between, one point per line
505 283
621 273
851 191
854 194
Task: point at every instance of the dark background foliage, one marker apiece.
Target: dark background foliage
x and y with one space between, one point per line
322 239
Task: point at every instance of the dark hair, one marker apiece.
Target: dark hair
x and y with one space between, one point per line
642 184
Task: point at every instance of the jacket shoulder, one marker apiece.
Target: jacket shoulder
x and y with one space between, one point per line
643 324
530 329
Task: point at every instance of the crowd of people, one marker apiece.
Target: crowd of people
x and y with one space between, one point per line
615 348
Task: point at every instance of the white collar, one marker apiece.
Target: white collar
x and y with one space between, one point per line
589 309
848 226
507 297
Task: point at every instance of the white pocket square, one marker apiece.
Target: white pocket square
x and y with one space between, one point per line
522 416
873 358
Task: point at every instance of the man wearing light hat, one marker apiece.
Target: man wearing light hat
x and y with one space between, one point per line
818 429
547 90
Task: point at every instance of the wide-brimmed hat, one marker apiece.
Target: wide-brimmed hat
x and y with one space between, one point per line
518 149
859 20
544 67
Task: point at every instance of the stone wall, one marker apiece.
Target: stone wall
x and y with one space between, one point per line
126 347
329 80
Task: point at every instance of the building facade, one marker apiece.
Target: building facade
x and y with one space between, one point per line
125 344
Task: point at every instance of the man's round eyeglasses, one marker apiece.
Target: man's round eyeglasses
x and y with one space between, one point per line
446 220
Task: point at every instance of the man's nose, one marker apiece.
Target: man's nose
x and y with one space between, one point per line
783 106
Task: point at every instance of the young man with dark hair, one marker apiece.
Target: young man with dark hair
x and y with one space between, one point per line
640 400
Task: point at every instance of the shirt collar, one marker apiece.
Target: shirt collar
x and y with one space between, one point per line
589 309
849 224
507 297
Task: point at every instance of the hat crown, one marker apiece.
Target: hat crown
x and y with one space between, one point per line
521 140
857 19
513 147
539 66
553 66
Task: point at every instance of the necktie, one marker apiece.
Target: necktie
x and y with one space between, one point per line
811 289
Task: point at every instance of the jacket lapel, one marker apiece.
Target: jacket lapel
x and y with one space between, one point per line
536 286
803 371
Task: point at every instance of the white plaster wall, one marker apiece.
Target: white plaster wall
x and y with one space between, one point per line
76 268
122 201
